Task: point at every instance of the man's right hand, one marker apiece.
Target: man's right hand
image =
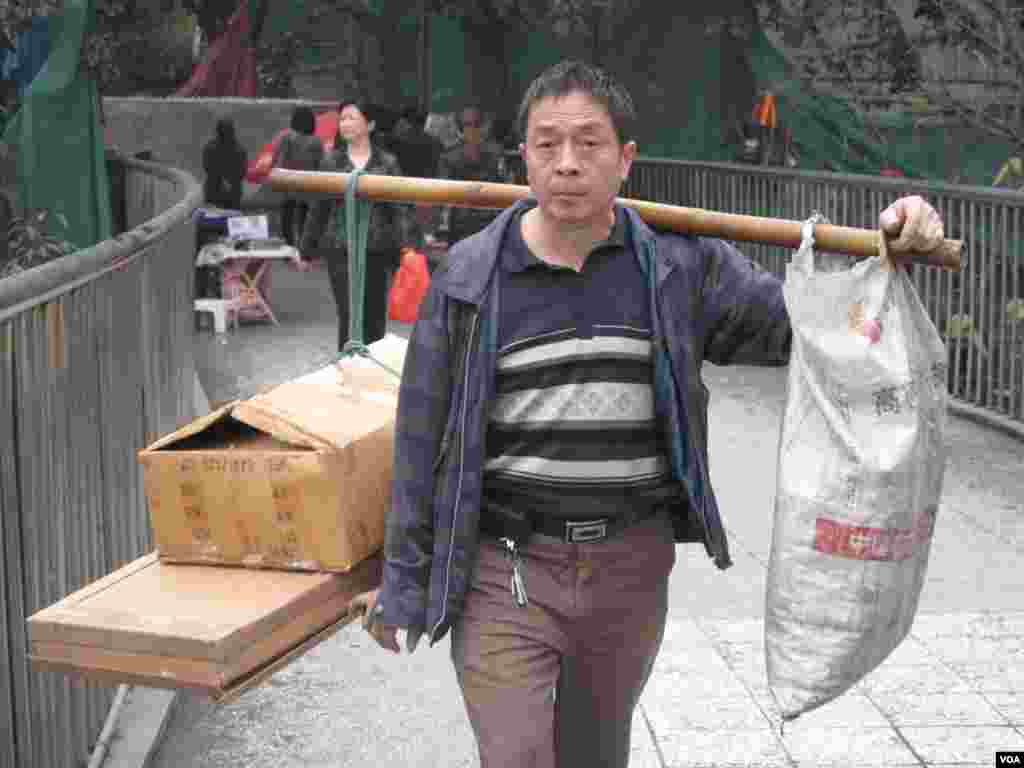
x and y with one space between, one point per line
385 635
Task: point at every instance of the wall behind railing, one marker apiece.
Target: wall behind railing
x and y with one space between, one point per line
175 130
979 310
95 362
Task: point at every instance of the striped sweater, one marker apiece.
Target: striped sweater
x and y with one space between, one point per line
572 430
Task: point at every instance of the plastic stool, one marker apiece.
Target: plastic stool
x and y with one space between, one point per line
223 311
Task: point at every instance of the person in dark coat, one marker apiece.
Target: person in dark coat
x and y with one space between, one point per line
300 149
224 162
417 151
471 160
390 229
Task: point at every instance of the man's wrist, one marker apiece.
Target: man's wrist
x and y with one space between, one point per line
381 615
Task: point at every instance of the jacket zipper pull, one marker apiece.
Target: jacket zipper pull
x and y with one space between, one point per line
518 583
441 453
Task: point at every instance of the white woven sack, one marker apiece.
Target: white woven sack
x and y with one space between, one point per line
861 459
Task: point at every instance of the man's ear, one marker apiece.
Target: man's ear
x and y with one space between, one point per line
628 156
522 150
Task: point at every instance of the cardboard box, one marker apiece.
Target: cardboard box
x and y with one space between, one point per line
297 478
216 629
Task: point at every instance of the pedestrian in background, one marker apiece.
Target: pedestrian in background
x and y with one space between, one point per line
299 149
390 228
224 163
471 160
419 155
417 151
442 126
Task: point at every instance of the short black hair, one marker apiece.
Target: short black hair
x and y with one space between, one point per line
572 75
303 120
363 106
416 116
368 110
503 131
226 130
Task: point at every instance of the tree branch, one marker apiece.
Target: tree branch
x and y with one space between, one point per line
1013 34
978 118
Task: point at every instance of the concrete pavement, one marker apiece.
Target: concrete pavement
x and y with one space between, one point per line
951 694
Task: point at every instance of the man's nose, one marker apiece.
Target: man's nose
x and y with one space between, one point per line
567 161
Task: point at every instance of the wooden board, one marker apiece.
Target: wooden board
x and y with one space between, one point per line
211 628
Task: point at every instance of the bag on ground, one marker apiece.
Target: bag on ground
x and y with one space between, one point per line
861 460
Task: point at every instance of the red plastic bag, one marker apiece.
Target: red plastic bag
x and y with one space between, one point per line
409 287
261 166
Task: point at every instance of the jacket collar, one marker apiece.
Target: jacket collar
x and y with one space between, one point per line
472 262
516 255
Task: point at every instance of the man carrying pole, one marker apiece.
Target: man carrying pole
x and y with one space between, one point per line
551 436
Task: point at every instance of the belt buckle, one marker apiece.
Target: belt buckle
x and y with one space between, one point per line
586 531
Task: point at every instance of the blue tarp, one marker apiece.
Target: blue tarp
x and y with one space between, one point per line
30 51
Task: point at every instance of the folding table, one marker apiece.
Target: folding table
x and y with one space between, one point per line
245 281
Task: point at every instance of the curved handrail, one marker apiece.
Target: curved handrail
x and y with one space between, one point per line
41 284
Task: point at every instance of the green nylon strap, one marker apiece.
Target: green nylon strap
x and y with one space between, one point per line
357 227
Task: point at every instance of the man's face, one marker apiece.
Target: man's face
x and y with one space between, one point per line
471 124
575 163
352 123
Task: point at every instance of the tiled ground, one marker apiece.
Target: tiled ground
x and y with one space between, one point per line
952 693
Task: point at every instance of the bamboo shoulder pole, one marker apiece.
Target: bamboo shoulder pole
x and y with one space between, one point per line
697 221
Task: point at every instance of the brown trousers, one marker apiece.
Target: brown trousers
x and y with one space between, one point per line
556 683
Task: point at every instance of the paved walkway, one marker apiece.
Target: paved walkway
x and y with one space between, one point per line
951 694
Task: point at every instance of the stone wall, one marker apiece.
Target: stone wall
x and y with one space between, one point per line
175 130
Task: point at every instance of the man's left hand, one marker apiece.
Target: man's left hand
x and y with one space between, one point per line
365 604
915 222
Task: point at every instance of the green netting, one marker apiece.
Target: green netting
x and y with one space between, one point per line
828 133
928 147
57 138
831 134
536 52
447 63
693 128
827 130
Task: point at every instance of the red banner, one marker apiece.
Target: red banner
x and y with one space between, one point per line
862 543
229 68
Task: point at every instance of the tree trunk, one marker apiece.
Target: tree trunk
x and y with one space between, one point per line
423 69
258 17
487 65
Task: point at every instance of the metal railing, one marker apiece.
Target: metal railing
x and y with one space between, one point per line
979 310
95 361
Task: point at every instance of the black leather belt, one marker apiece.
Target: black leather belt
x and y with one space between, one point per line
574 531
